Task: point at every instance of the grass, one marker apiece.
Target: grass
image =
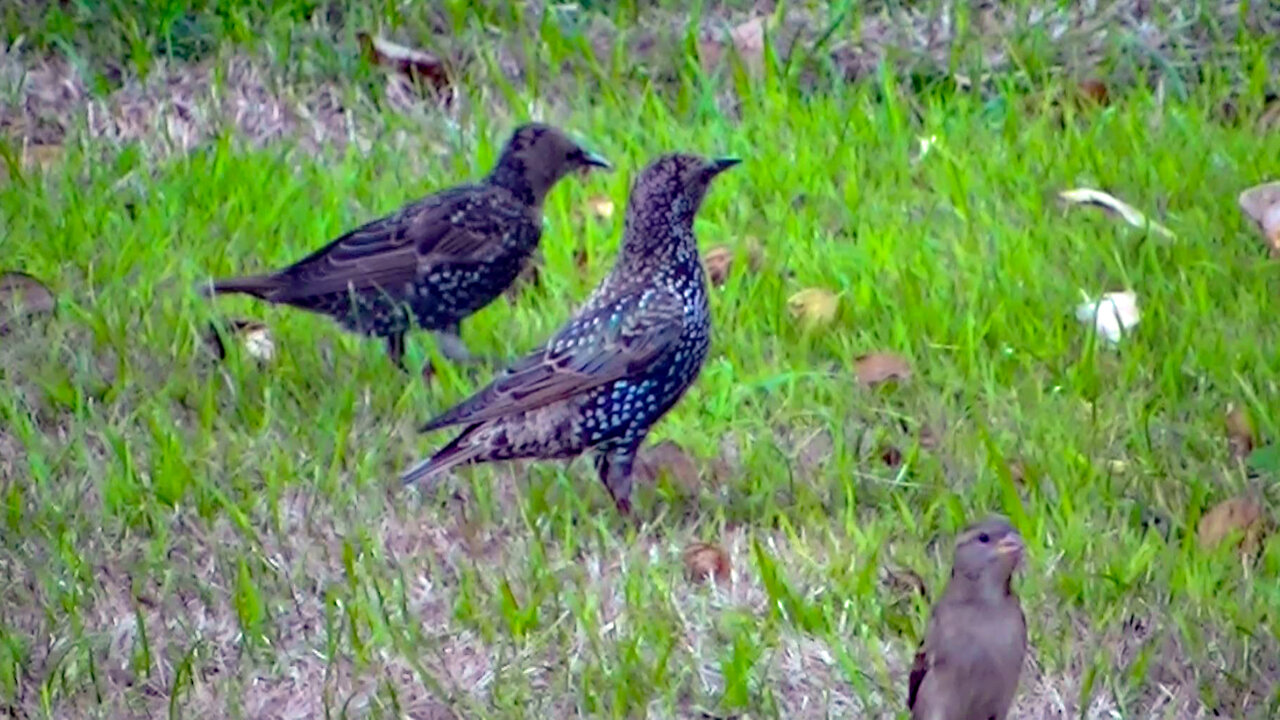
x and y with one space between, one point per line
197 538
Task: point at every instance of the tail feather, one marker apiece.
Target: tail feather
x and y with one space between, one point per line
458 452
259 286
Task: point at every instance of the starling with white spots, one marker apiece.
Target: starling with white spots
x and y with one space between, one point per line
968 666
621 362
435 261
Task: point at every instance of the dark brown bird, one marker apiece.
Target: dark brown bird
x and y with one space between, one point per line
435 261
967 668
620 363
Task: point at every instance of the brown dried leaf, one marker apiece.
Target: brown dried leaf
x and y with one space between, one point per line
252 335
746 39
876 368
890 455
1225 519
669 458
580 258
1240 437
706 561
1262 205
814 307
416 64
718 261
22 295
1094 91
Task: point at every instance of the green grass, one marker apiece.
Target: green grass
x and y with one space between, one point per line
227 539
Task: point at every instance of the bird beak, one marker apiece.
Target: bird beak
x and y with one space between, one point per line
1010 545
719 165
591 159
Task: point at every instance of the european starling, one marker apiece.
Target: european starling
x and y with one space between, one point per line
621 362
437 260
967 668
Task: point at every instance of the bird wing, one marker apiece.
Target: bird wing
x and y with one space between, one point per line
461 226
927 654
919 667
608 341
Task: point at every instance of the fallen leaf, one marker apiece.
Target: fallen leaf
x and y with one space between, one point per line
718 261
814 307
1240 436
22 295
581 259
1238 514
890 455
1113 315
1262 205
416 64
706 561
667 457
1094 90
875 369
602 206
252 335
1088 196
747 39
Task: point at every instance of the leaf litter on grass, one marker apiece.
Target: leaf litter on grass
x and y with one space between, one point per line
855 669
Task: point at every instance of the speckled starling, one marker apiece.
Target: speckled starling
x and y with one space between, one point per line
967 668
621 362
437 260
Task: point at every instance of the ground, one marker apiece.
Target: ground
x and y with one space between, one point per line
226 538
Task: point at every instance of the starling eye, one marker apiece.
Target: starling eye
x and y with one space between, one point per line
984 538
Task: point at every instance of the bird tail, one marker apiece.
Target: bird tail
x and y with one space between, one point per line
459 452
259 286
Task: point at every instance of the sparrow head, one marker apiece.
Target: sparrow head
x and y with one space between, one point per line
988 551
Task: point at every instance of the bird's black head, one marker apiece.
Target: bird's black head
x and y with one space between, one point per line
672 187
536 156
988 552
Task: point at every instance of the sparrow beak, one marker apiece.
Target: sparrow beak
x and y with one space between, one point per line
591 159
1010 545
719 165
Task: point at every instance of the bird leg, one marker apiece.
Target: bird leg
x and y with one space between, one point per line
614 467
449 340
395 350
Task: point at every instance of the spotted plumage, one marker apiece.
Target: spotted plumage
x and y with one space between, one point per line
620 363
436 261
968 665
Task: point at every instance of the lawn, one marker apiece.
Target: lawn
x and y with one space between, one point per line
191 536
